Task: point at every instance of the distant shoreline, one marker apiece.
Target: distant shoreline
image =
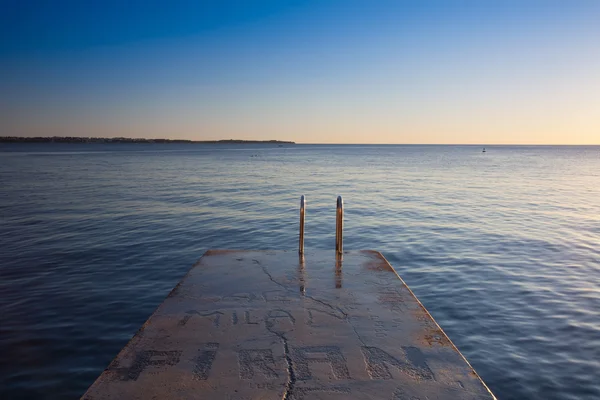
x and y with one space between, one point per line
73 139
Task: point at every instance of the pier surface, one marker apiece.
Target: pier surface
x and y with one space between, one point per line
267 325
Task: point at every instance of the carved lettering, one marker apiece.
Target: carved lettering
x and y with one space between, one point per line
380 328
392 299
204 360
247 319
302 356
413 365
273 315
249 359
215 316
148 358
279 321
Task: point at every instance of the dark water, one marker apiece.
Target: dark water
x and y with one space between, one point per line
503 248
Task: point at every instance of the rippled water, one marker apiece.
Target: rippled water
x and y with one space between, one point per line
502 247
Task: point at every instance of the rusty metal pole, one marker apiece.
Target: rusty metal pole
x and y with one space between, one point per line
339 226
302 213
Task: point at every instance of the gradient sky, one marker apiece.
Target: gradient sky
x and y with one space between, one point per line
480 71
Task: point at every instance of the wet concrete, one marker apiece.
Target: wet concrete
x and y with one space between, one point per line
268 325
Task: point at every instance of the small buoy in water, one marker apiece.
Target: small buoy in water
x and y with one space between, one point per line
483 150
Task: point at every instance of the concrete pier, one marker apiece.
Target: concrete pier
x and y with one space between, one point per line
271 325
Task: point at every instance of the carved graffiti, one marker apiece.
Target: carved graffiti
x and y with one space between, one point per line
259 359
215 316
380 328
248 320
204 360
147 358
279 321
413 364
303 356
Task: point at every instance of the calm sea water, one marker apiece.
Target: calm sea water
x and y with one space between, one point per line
502 247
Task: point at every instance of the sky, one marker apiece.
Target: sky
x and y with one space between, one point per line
377 71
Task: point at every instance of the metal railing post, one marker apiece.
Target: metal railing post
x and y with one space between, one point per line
302 213
339 226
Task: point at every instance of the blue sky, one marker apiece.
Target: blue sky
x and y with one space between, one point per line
329 71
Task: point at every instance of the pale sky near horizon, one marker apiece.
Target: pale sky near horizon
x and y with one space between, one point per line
480 72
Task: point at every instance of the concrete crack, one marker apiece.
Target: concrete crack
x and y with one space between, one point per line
291 375
356 332
289 387
329 305
345 314
290 370
273 280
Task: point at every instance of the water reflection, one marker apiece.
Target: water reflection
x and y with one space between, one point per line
338 271
301 274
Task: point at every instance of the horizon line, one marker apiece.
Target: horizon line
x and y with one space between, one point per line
280 141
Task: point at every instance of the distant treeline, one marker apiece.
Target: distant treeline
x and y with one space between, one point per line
73 139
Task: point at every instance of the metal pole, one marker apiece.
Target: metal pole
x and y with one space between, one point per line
302 212
339 225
